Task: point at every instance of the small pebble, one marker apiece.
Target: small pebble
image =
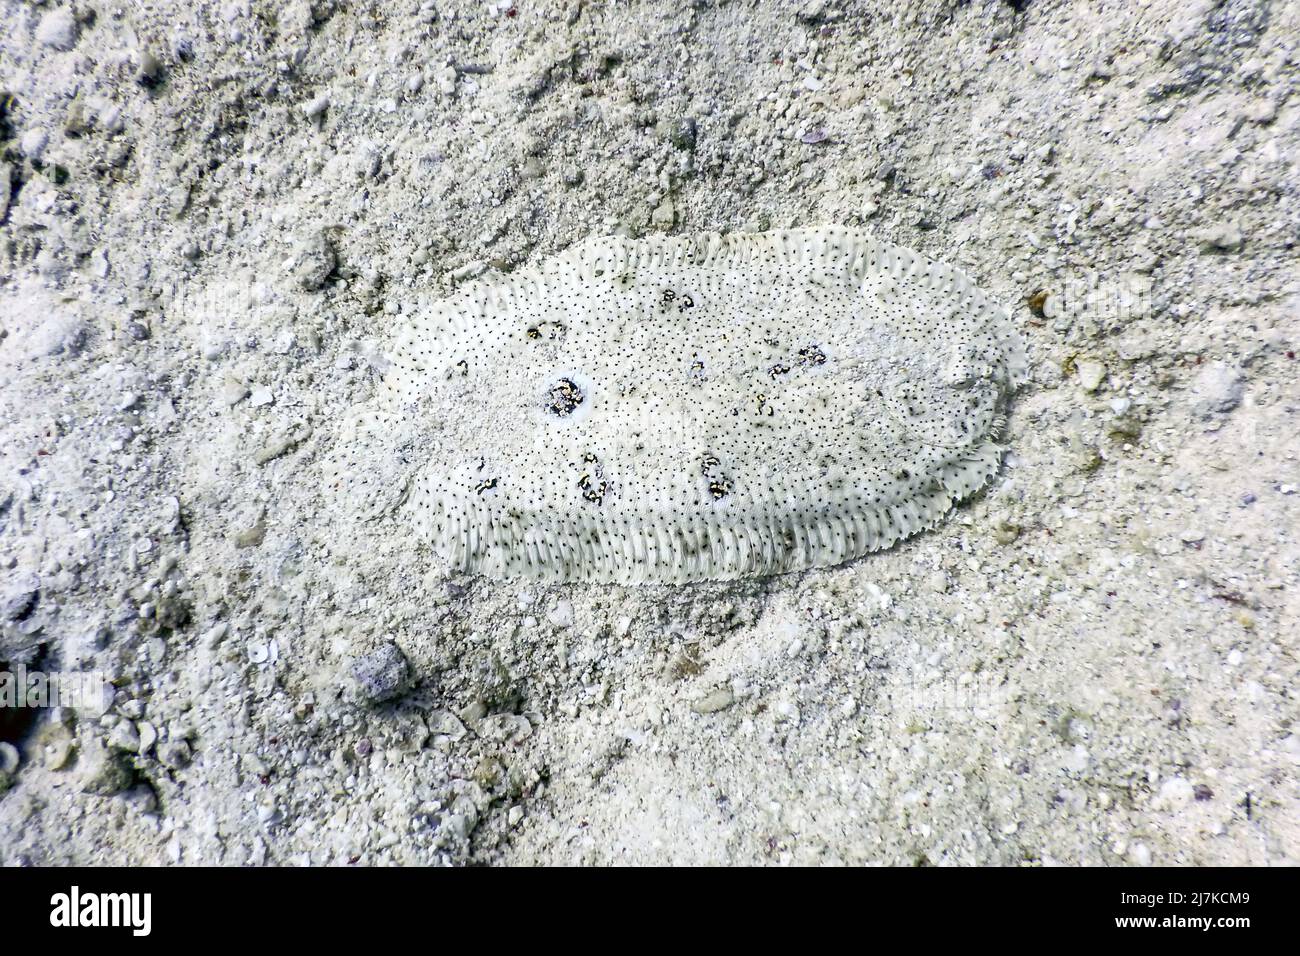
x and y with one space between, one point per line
383 674
103 773
714 701
124 737
664 215
33 143
19 603
57 30
214 635
561 615
252 536
148 737
174 754
316 263
1175 794
232 393
1091 374
150 68
1217 389
314 108
469 271
1262 111
1225 237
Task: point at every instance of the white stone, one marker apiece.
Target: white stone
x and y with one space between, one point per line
1217 388
34 142
1175 794
561 615
315 107
57 29
1091 374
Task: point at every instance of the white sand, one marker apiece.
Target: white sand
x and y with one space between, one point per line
1093 662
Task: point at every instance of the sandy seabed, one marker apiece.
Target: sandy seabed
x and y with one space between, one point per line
214 216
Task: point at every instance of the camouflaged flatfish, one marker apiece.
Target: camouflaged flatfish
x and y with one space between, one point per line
685 409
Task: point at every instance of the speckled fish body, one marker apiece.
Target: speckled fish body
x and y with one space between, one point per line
683 409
